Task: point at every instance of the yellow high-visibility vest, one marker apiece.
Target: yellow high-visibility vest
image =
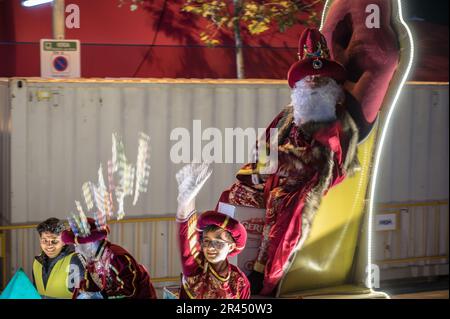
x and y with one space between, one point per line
58 282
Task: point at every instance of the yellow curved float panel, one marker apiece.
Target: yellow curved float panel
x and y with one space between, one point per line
327 257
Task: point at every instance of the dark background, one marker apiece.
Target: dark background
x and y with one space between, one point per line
435 11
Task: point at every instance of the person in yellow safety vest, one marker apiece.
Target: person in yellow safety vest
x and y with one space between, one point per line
58 270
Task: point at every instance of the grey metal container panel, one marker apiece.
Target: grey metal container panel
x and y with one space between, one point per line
58 142
414 166
5 155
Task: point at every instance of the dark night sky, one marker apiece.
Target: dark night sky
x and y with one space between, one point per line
434 11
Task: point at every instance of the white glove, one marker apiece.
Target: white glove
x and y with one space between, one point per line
190 180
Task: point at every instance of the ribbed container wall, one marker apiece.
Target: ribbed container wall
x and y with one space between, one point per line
61 132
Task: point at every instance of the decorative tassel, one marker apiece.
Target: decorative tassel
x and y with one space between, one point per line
84 226
86 189
73 225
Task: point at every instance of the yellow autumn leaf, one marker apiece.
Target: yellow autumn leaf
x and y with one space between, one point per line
251 7
258 27
214 42
203 36
188 8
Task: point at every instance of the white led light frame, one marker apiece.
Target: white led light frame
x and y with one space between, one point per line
33 3
382 138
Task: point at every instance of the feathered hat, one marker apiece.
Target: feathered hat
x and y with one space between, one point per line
314 59
94 234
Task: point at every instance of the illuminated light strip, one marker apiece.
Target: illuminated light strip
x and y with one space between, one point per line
381 143
323 14
32 3
383 133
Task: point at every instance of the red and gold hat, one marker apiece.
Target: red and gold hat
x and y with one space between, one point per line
234 227
68 236
314 57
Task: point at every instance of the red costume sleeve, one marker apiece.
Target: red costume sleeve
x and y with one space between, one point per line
330 137
245 293
190 250
125 275
246 179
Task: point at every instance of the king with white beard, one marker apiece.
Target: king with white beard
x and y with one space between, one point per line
317 141
314 99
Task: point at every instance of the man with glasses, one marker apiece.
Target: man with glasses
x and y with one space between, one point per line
58 270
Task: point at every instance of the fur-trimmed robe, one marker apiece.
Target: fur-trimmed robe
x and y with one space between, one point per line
312 158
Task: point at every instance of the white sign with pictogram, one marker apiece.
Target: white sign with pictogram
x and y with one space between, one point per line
60 58
385 222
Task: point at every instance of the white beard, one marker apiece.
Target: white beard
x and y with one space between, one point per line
315 104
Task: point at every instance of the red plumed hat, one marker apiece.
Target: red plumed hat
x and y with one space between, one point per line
68 236
234 227
314 59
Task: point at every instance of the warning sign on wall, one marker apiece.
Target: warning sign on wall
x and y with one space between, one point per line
60 58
